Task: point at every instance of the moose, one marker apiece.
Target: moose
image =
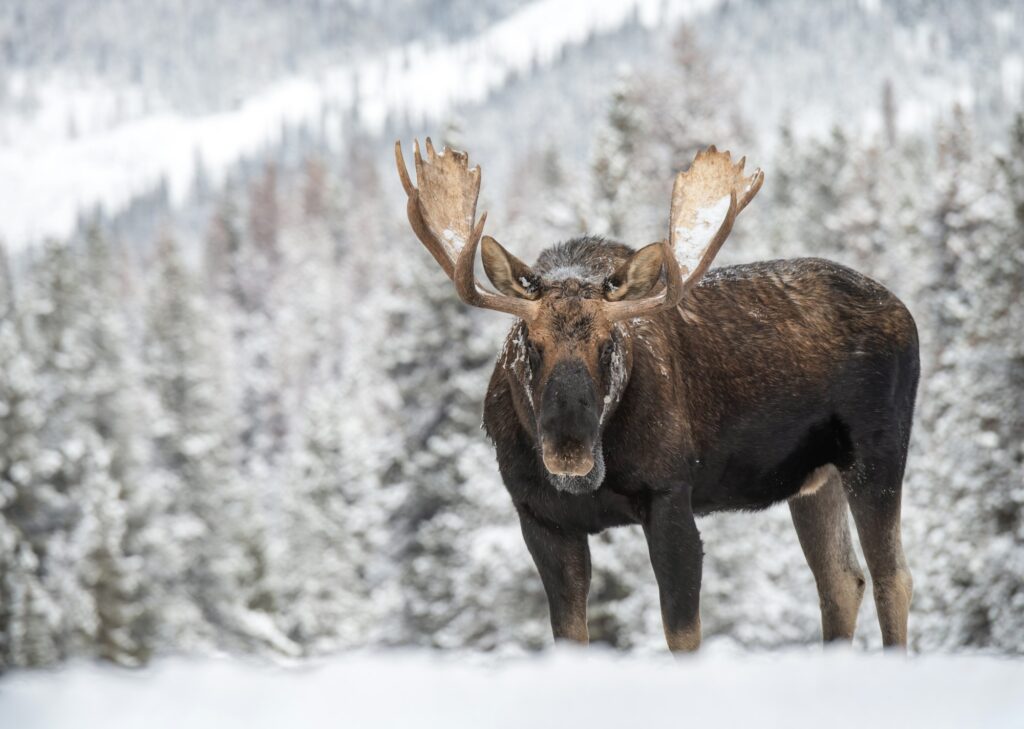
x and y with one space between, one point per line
640 387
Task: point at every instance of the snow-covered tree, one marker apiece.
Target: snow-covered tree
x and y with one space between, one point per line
29 620
210 510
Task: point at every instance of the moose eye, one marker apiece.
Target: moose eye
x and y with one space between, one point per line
607 349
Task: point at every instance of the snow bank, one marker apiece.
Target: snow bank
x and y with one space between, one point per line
558 689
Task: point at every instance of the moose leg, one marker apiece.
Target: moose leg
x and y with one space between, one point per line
822 526
563 561
677 556
875 503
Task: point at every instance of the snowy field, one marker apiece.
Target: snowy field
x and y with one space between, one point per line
561 688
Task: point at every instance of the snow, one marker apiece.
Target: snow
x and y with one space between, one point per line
1012 76
618 376
692 242
563 273
519 365
354 377
104 161
559 688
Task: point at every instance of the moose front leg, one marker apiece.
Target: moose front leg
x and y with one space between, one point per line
677 557
563 561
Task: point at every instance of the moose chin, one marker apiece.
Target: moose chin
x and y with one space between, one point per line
637 386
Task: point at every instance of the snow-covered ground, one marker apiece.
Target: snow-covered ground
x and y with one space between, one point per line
558 689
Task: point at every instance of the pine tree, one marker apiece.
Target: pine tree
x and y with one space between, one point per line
620 186
212 512
28 617
249 267
443 470
120 495
31 620
328 543
71 456
656 122
826 171
972 302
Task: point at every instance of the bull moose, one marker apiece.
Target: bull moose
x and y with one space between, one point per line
638 387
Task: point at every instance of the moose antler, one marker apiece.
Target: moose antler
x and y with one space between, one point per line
706 199
442 213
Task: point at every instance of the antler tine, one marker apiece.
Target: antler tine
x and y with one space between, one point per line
413 212
442 213
668 296
403 171
756 180
475 295
706 199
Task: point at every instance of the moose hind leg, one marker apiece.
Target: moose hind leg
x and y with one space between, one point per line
820 517
874 494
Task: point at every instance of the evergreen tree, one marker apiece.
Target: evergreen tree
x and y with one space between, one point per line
324 566
620 182
443 470
28 617
120 497
211 510
71 457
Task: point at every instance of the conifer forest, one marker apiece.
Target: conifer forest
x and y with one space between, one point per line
240 405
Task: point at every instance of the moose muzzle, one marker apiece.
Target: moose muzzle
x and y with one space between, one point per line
569 420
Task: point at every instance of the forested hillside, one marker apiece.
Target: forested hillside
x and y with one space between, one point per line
249 418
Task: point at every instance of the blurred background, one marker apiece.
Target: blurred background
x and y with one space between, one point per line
240 404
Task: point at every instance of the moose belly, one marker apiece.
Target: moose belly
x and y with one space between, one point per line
763 467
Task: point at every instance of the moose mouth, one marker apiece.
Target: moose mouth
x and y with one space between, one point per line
578 473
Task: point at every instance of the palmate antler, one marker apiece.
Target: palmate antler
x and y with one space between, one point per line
442 213
706 199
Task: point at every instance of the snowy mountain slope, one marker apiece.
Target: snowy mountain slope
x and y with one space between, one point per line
62 160
68 143
562 688
204 53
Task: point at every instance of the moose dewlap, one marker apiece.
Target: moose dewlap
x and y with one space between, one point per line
636 388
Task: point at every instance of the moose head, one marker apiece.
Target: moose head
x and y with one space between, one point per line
573 357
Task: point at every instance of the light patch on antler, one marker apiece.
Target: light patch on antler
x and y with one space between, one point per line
453 242
448 191
692 241
706 199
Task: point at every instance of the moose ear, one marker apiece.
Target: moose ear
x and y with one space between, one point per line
636 276
509 275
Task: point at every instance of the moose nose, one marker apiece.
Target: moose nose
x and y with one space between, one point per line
569 420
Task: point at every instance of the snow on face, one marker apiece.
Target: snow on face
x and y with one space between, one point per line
517 361
617 374
691 243
582 484
576 271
